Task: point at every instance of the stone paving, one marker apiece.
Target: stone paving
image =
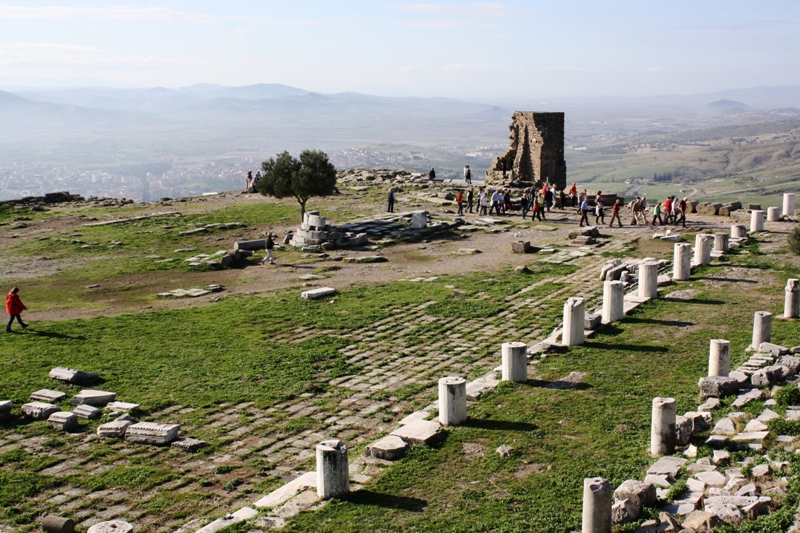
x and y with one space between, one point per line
263 449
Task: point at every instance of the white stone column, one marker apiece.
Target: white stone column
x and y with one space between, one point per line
773 214
702 249
682 261
788 204
574 311
721 242
515 362
333 474
738 231
662 426
719 358
762 328
756 221
598 496
648 279
791 305
613 301
452 401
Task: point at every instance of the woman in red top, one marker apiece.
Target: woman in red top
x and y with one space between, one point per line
14 307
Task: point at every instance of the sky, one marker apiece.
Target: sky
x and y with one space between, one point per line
508 49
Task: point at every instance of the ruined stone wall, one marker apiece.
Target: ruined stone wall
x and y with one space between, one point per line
535 154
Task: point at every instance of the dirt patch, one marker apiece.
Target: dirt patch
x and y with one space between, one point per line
473 449
533 468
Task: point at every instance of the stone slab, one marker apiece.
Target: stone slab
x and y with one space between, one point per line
88 412
115 429
389 448
114 526
189 444
725 426
39 410
752 436
751 396
5 407
418 432
122 406
314 294
667 465
63 420
287 491
243 514
93 397
755 425
47 395
483 384
76 377
152 433
712 478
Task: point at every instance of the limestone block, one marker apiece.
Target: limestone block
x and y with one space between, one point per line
790 362
58 524
93 397
47 395
592 321
764 377
76 377
152 433
658 480
259 244
115 429
753 436
333 474
5 408
667 465
63 420
721 457
625 511
419 219
726 512
418 432
755 509
597 495
761 471
738 231
756 221
114 526
750 489
123 406
712 478
521 247
314 294
725 426
699 420
788 204
188 444
700 521
452 401
389 448
774 349
39 410
718 386
683 430
644 493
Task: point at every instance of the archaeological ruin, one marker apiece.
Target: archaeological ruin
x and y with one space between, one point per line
535 155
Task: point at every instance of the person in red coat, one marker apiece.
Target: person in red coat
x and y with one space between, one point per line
14 307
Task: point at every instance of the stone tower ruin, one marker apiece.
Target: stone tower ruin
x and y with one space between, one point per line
535 154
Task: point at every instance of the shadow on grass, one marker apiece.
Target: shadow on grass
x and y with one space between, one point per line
388 501
727 280
626 347
499 425
54 335
678 323
558 385
693 301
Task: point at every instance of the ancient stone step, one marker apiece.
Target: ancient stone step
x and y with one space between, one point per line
115 429
152 433
63 420
93 397
39 410
47 395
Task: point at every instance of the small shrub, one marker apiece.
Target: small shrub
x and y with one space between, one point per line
789 395
222 469
794 240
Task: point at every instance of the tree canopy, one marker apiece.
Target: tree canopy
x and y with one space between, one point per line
310 175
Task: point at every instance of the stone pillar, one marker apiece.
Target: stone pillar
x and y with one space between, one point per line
662 427
773 214
738 231
762 328
648 279
452 401
515 362
613 301
791 305
333 474
574 311
788 204
721 244
682 261
702 249
756 221
719 358
598 496
57 524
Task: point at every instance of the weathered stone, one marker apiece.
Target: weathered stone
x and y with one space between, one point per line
114 526
189 444
667 465
700 521
774 349
597 505
761 471
39 410
754 436
592 321
504 451
709 405
58 524
514 362
721 457
289 490
624 511
662 427
755 425
152 433
243 514
712 478
658 480
453 400
727 512
63 420
389 448
755 509
418 432
47 395
574 312
5 408
87 411
76 377
718 386
725 426
643 492
683 430
767 415
333 475
790 362
115 429
521 247
93 397
314 294
123 406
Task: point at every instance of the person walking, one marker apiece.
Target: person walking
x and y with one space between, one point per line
584 211
14 308
507 202
549 198
467 174
483 202
460 202
563 199
432 174
270 246
470 199
682 212
668 211
537 208
390 200
541 202
676 212
657 215
615 213
573 192
599 214
524 204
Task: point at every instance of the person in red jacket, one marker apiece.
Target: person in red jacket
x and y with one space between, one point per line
14 307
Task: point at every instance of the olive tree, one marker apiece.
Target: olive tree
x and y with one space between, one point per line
310 175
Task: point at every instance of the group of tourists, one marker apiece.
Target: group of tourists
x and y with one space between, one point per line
250 182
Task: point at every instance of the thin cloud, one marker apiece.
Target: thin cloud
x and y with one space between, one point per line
239 34
474 10
657 68
154 13
68 55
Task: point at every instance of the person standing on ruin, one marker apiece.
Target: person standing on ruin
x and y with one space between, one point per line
615 213
270 246
14 308
470 198
248 181
503 167
467 174
390 201
432 174
460 202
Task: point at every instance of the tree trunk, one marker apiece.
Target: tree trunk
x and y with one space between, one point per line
302 209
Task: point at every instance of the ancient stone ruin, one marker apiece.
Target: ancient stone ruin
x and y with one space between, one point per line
535 155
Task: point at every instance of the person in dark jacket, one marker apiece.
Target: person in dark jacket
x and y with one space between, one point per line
14 308
432 174
390 201
270 246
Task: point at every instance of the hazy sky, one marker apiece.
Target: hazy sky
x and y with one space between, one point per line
457 49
